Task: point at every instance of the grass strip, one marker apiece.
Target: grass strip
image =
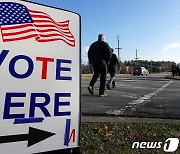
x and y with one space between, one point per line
117 138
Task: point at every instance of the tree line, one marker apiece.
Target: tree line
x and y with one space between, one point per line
126 67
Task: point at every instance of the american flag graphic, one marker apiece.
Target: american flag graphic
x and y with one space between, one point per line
17 22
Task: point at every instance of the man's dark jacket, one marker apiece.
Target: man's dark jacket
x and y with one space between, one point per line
99 51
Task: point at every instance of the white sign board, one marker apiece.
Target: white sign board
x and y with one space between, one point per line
40 78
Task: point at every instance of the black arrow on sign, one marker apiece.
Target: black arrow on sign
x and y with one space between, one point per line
34 136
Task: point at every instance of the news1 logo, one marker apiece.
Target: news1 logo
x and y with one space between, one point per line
170 145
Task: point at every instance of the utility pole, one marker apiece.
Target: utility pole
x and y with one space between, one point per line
136 59
118 48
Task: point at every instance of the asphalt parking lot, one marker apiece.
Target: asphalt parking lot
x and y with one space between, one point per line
134 96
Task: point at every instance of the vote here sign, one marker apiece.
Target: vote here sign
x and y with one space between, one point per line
40 78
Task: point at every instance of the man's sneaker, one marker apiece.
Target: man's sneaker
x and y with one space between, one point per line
102 95
107 85
90 89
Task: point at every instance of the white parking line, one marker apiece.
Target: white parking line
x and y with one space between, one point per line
139 101
148 96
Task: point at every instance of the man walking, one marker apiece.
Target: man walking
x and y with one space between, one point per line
99 56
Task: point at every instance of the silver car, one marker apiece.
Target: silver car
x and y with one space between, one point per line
140 71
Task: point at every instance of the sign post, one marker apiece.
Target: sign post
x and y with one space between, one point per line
40 78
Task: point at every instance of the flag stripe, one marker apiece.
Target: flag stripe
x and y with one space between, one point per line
54 39
20 38
53 30
49 35
15 27
51 25
19 32
34 11
21 35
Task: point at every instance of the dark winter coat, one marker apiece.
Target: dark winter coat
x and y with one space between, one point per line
99 51
114 62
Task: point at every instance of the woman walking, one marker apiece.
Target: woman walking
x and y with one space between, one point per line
112 67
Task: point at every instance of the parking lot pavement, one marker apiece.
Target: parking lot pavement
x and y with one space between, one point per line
144 97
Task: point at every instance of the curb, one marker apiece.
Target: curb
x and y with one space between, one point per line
117 75
174 78
92 119
122 75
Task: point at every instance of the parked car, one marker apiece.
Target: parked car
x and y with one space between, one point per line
140 71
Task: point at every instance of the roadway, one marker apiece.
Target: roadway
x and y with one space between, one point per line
145 97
